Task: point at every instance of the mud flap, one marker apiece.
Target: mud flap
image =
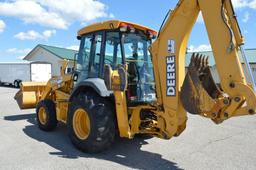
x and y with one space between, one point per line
199 91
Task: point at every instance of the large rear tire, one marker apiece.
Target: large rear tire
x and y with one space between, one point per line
46 115
91 122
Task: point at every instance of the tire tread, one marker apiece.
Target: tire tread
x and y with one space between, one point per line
102 121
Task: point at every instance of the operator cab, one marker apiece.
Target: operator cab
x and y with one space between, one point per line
118 43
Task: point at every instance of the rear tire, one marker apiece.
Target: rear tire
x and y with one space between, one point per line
102 123
46 115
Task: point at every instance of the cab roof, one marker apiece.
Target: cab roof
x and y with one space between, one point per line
110 25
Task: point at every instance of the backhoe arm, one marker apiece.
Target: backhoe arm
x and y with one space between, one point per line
196 92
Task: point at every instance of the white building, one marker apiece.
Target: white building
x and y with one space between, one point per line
52 55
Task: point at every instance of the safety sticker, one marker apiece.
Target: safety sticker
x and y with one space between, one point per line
171 46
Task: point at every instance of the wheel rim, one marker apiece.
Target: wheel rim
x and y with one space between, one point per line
42 115
81 124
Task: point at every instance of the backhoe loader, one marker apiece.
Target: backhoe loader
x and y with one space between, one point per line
129 79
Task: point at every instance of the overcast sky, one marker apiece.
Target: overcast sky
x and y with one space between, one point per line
26 23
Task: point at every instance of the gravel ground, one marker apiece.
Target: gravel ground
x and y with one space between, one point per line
203 145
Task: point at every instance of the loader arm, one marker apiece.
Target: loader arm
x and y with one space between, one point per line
177 93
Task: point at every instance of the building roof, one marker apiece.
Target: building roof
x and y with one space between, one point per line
62 53
250 53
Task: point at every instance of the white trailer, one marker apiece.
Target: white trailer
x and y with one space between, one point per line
15 73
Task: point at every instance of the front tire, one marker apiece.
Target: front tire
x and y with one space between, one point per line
91 123
46 115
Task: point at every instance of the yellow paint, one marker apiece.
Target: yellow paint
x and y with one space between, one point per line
42 115
177 28
81 124
135 120
122 116
58 89
62 99
109 25
169 115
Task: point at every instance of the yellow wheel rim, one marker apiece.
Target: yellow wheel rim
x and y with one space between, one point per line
81 124
42 115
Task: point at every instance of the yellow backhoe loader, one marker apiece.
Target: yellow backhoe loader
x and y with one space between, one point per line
130 80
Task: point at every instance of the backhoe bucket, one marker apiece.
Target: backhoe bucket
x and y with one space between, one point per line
199 91
28 95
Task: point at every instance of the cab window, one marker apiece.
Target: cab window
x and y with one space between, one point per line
82 66
95 57
113 55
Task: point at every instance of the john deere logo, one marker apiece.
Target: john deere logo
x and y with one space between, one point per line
171 76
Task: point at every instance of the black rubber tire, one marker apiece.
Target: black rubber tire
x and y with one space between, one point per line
144 136
16 84
50 109
102 122
20 83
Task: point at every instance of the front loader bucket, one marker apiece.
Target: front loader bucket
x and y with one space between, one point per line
28 95
199 91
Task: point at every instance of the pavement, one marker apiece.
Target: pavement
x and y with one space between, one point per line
202 146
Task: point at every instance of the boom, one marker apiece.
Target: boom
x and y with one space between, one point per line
237 97
225 39
195 92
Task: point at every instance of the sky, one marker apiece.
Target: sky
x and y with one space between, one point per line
27 23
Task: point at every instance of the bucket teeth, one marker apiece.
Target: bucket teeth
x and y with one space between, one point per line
198 62
199 91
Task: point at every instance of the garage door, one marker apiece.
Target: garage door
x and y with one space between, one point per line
41 72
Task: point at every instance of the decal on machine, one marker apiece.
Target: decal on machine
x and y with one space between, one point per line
171 46
170 76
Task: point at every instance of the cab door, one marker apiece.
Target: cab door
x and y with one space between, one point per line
96 58
84 55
